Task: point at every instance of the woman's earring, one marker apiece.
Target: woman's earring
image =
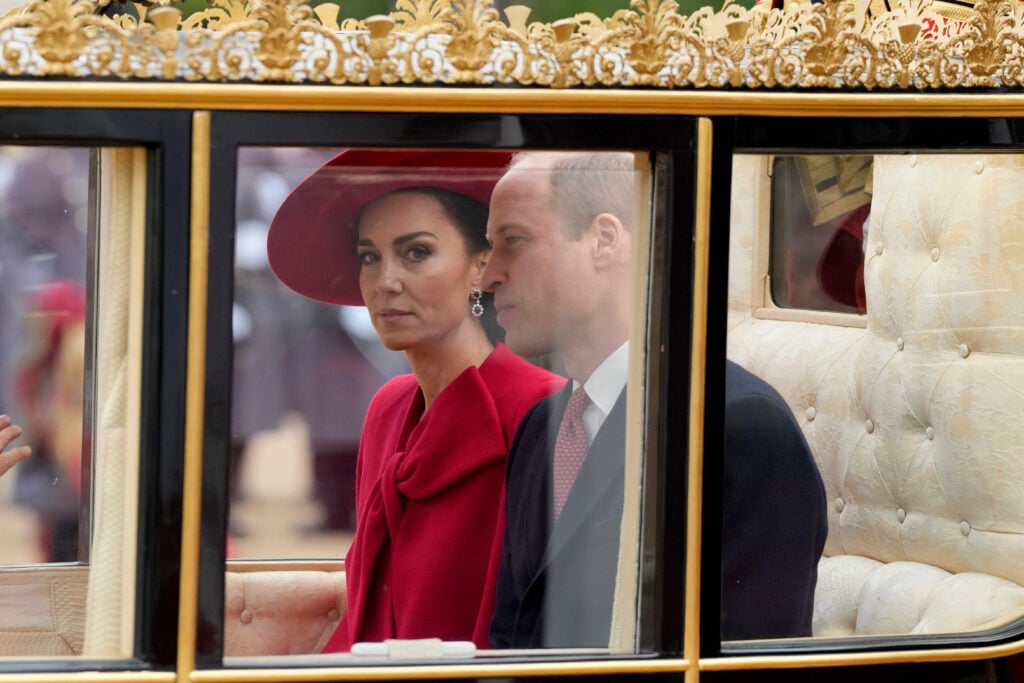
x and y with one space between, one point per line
477 308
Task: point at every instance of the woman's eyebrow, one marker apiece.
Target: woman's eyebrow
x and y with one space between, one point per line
402 239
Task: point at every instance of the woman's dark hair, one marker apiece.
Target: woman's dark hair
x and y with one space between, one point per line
470 218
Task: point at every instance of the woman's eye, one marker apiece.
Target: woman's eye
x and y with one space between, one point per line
366 258
418 253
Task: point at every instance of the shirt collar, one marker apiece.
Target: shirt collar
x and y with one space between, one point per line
606 382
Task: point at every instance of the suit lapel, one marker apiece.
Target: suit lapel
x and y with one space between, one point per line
534 499
601 472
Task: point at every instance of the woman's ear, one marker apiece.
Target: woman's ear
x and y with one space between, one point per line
479 263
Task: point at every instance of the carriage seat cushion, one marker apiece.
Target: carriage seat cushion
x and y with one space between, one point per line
859 595
281 612
42 611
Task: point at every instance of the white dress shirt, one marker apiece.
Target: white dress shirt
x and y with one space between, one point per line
603 388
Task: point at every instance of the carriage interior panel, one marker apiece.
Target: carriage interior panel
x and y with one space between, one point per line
895 341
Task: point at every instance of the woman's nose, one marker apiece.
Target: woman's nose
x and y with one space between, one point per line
388 279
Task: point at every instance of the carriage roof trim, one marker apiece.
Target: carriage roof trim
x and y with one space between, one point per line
842 46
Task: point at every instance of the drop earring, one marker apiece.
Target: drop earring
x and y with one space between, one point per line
477 308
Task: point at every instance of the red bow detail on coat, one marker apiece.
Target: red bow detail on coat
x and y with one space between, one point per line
425 504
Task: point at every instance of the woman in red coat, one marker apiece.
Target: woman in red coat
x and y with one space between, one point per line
405 233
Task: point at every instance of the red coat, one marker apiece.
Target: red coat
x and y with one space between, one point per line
430 504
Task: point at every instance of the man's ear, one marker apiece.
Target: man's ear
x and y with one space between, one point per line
611 238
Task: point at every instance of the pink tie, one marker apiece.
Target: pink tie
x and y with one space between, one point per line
570 447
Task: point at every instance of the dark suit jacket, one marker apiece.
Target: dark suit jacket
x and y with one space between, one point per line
774 523
555 585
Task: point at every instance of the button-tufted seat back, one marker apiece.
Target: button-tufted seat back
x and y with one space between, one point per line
281 612
916 420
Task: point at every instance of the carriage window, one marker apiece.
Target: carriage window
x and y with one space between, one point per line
70 294
820 206
879 466
397 315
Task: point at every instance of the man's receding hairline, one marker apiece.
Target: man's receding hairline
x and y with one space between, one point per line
558 164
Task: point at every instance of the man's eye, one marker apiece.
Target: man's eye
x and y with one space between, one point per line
512 239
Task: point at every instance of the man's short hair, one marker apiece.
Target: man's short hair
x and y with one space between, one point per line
586 184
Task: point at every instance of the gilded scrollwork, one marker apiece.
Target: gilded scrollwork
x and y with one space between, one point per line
64 38
834 45
474 30
413 15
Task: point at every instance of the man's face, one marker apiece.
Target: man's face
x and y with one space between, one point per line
537 273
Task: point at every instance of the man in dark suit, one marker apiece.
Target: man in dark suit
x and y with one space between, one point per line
561 227
774 520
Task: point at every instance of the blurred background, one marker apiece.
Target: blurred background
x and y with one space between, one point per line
44 226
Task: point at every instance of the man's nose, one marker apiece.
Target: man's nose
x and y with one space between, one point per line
492 276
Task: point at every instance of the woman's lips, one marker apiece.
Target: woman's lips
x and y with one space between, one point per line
393 314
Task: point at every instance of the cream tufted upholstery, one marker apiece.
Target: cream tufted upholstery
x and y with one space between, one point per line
281 612
43 611
266 612
917 420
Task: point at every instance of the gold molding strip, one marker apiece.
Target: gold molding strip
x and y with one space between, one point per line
90 676
484 668
812 660
698 372
195 395
833 45
251 97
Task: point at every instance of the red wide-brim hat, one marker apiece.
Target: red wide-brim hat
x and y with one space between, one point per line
312 240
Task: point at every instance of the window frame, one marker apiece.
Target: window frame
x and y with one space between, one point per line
660 136
760 135
165 137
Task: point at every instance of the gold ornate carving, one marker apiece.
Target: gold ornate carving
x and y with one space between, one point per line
919 45
412 15
651 31
63 38
220 14
475 31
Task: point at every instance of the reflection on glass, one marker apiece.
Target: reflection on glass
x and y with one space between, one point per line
71 290
304 373
820 207
912 420
43 227
402 240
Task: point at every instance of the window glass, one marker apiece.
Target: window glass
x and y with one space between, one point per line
873 470
71 268
820 206
398 313
44 226
304 373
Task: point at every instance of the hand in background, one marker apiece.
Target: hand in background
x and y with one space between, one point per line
8 433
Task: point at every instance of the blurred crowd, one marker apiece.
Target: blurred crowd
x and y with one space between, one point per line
43 263
286 345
